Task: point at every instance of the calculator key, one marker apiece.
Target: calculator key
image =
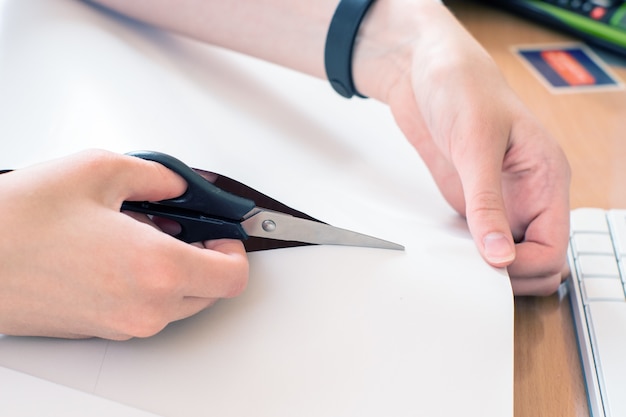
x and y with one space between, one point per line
603 3
597 13
587 7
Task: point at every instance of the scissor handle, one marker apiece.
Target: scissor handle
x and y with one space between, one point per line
204 211
201 195
193 227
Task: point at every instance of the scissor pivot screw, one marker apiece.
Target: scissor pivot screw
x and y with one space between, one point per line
268 225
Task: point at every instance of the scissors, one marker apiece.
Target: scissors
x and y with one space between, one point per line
206 211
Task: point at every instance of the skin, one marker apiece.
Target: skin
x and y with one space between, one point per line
94 271
492 160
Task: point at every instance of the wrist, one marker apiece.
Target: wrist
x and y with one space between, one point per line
392 36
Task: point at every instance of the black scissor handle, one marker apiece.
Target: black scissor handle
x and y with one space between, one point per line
204 211
201 195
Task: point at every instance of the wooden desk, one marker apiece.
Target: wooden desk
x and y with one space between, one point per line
591 128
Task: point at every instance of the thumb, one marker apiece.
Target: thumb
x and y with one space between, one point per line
478 151
151 181
487 220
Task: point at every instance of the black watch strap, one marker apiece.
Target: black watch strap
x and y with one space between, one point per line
340 43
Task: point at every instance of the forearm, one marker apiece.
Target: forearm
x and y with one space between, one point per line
485 150
287 32
292 33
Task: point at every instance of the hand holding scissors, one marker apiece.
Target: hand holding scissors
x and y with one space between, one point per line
205 212
84 269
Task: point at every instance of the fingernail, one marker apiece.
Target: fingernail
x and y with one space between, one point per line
498 249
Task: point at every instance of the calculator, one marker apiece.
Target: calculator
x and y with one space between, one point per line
597 22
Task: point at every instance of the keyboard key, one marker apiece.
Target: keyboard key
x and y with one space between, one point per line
589 220
599 243
617 222
601 277
621 264
602 289
597 266
608 339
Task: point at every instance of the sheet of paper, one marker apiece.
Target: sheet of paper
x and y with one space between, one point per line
320 330
27 396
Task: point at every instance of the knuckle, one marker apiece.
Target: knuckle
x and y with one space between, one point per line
550 286
119 337
160 285
145 313
96 159
486 203
141 323
149 329
542 286
158 275
237 287
486 209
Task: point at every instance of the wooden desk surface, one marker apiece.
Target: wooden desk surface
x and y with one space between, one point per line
591 128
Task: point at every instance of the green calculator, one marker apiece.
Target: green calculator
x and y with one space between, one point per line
597 22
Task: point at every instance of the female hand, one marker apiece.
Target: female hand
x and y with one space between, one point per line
74 266
492 160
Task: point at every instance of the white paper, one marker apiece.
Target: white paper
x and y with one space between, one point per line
332 331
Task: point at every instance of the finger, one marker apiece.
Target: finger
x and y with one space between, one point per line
123 177
541 286
191 306
538 269
543 251
220 270
540 264
209 176
171 227
480 164
225 245
141 218
149 181
487 222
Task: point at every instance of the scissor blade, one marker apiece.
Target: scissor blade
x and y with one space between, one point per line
273 225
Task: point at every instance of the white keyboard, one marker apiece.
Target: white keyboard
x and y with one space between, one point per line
597 258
